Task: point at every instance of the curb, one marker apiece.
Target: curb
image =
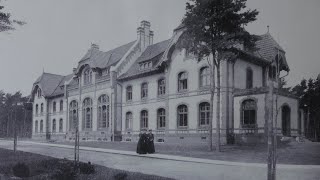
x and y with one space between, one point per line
177 158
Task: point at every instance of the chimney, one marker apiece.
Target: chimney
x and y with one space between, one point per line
145 35
94 46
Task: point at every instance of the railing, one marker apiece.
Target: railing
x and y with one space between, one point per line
172 131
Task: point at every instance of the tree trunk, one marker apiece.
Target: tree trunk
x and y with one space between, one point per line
269 114
212 89
8 120
218 107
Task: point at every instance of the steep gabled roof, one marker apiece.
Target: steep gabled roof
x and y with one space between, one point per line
59 90
152 53
269 49
50 84
99 59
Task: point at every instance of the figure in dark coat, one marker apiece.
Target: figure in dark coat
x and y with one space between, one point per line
142 143
150 142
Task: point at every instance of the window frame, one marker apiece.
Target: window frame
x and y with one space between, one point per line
248 108
203 75
61 125
144 90
103 111
37 109
185 117
161 86
161 118
54 107
73 114
129 93
61 105
128 120
54 126
144 119
182 82
87 107
206 112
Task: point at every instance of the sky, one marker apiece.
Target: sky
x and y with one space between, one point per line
59 32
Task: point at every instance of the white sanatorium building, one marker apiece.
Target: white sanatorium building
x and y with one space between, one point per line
115 94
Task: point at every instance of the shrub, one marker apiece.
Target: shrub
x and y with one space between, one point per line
65 172
21 170
120 176
86 168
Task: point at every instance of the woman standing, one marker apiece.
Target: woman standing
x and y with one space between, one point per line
150 142
142 143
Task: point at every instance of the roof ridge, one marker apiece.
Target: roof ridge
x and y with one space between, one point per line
52 74
118 47
159 42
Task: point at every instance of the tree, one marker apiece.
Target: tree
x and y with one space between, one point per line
309 94
6 23
213 30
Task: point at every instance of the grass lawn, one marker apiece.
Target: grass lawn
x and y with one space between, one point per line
44 167
304 153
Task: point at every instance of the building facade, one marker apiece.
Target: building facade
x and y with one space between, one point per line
141 85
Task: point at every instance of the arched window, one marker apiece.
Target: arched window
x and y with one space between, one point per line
41 126
249 108
129 93
182 115
36 127
249 82
161 118
39 93
204 77
61 105
129 120
73 114
41 107
60 125
144 90
87 113
54 106
204 114
87 76
161 87
182 81
144 119
37 108
103 111
54 126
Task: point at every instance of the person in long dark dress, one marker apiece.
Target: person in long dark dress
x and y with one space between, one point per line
142 143
150 142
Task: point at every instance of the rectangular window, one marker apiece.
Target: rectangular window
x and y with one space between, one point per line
144 90
129 93
161 87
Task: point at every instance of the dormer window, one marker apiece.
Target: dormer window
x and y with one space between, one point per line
105 72
87 77
145 65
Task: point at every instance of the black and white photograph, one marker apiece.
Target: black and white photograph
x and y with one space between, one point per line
159 90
